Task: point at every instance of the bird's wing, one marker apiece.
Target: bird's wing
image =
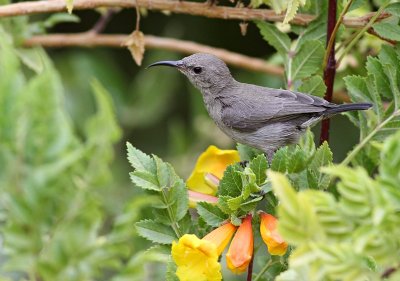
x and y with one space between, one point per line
251 111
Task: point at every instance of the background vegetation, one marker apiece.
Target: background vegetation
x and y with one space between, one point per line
67 205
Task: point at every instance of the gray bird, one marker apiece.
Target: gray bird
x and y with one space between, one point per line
260 117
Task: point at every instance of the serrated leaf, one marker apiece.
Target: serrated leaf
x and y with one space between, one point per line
315 86
259 166
279 162
234 203
307 60
179 196
165 173
231 182
297 160
140 160
307 144
277 39
145 180
155 232
292 7
211 214
322 157
393 9
223 204
249 205
387 30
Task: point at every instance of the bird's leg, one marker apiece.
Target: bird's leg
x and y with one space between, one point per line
243 163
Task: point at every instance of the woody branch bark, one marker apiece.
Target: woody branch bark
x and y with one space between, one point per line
179 7
154 42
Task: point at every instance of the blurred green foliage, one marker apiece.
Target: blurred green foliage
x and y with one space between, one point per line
68 209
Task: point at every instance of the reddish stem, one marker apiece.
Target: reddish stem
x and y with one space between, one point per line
250 269
330 69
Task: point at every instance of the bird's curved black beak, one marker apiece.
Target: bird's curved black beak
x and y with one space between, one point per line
177 63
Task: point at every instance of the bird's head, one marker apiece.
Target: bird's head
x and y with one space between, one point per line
205 71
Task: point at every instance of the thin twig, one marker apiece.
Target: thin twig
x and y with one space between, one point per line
179 7
330 68
101 24
362 31
153 42
373 32
137 17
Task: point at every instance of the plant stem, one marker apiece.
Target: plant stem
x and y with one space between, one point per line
250 268
330 69
359 146
174 225
362 31
264 269
333 35
101 24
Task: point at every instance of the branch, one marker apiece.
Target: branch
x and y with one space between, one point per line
330 67
88 40
178 7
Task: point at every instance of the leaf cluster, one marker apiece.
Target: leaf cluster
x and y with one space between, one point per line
319 225
171 218
380 87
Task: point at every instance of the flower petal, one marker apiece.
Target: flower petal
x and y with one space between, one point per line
196 259
241 248
269 233
214 161
221 236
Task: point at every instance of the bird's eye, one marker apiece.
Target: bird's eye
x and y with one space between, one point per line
197 70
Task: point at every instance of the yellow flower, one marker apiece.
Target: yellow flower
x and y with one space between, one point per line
221 236
213 161
241 248
195 197
197 259
269 233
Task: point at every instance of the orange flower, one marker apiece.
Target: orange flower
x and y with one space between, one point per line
221 236
210 168
241 249
195 197
269 233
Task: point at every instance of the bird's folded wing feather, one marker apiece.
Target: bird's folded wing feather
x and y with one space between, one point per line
251 111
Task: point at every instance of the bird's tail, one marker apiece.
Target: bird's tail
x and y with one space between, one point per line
347 107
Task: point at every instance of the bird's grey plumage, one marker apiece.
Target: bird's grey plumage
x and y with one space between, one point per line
261 117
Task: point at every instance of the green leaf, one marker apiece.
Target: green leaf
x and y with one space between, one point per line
234 203
279 162
246 152
211 214
292 7
277 39
259 166
387 30
307 60
323 157
55 19
170 274
179 196
155 232
314 85
393 9
296 159
223 204
231 182
145 180
307 144
139 160
390 155
297 219
165 173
